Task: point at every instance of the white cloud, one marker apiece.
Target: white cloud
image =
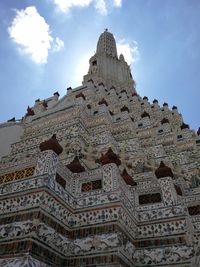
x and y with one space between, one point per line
100 5
117 3
65 5
130 51
31 32
58 44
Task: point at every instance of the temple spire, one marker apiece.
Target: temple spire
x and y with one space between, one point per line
106 44
107 67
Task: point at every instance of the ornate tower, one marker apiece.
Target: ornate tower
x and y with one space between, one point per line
100 177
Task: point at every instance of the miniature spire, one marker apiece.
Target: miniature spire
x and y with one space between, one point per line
124 108
128 179
145 114
184 126
121 57
178 190
44 103
30 112
51 144
56 94
103 101
75 166
110 157
134 94
80 95
164 120
11 120
163 171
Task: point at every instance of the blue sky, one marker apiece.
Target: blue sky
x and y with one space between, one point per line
46 45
